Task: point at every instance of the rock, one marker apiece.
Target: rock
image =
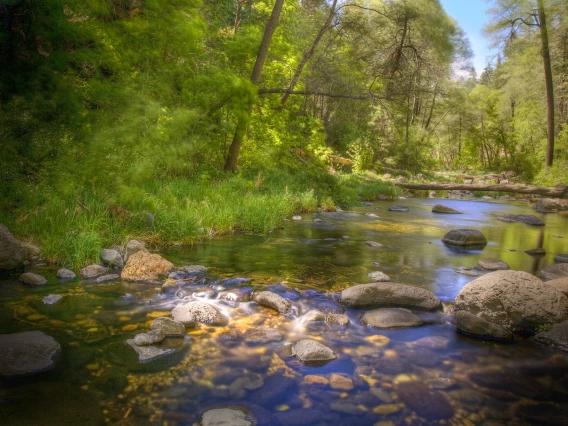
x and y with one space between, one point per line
467 272
313 352
473 325
440 208
550 205
314 316
106 278
147 339
523 218
426 402
31 249
111 258
347 408
65 274
465 237
233 416
195 269
30 278
552 272
237 295
435 343
378 276
432 194
168 327
149 353
337 319
536 252
27 353
143 266
373 244
92 271
515 300
387 176
400 209
297 218
400 179
12 253
561 258
51 299
560 284
276 389
390 317
273 301
492 264
190 313
389 294
556 338
260 335
371 215
133 246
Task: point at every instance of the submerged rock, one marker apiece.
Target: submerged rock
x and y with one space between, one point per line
252 335
440 208
149 353
465 238
195 269
142 266
12 253
371 215
492 264
147 339
313 352
233 416
190 313
273 301
390 317
389 294
27 353
476 326
51 299
425 401
30 278
93 271
515 300
169 327
65 274
378 276
106 278
337 319
561 258
523 218
373 244
242 294
400 209
552 272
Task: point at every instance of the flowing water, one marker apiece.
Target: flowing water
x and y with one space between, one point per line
423 375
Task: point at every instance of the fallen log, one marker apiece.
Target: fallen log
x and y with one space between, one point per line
558 191
340 160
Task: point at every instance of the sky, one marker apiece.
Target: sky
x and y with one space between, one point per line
471 17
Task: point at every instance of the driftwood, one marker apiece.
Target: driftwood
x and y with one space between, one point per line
558 191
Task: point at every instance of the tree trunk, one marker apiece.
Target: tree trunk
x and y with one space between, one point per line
555 192
233 157
308 54
548 80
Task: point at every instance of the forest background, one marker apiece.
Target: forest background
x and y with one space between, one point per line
160 120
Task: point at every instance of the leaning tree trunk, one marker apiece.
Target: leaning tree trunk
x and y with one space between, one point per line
554 192
548 81
233 157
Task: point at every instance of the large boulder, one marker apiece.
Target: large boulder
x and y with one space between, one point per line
515 300
190 313
550 205
560 284
390 317
523 218
552 272
273 301
143 266
471 238
313 352
440 208
133 246
27 353
12 253
375 295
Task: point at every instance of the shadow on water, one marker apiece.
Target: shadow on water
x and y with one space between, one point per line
421 375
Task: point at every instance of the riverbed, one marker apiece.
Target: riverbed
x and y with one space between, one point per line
421 375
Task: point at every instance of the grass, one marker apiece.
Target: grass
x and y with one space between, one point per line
71 231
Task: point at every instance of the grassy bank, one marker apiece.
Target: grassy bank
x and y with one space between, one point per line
72 228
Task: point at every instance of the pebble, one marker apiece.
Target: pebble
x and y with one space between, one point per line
340 382
51 299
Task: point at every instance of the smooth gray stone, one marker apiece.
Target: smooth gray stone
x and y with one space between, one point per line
51 299
473 325
149 353
27 353
440 208
93 271
465 238
556 338
65 274
107 278
273 301
30 278
492 264
313 352
390 317
169 327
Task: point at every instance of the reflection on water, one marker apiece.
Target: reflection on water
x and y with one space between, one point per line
423 375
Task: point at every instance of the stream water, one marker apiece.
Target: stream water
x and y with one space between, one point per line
422 375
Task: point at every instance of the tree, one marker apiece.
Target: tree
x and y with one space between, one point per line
234 149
